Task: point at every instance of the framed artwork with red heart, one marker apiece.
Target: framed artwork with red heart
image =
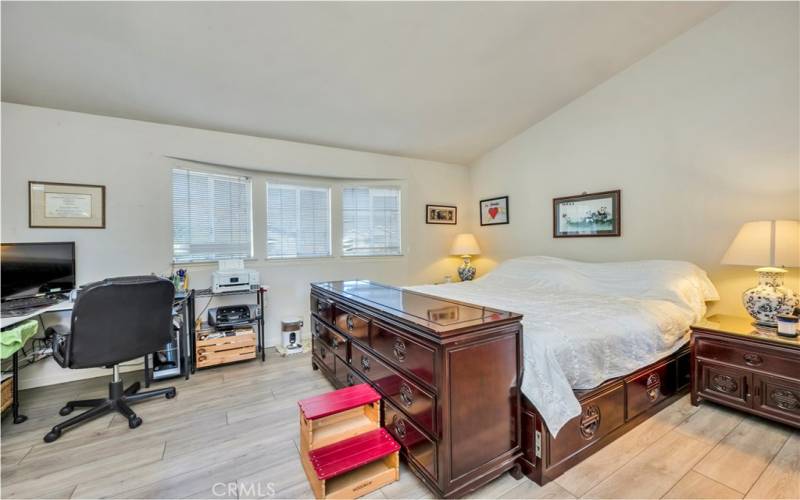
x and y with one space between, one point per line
494 211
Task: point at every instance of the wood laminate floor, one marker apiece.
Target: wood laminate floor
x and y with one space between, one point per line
233 431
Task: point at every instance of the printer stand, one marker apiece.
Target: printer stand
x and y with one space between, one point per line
257 324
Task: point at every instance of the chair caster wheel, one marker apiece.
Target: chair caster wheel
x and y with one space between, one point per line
52 436
171 394
65 411
134 422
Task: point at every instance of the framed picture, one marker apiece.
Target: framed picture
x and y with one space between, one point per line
59 205
449 313
494 211
440 214
588 214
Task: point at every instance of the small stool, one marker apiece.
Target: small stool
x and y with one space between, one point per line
344 451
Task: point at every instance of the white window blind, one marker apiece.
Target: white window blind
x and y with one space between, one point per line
371 221
211 216
298 221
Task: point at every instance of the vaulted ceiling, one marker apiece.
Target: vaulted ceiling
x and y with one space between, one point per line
445 81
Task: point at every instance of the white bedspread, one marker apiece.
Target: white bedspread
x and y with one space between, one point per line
584 323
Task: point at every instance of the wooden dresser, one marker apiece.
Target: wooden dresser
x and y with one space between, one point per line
449 374
737 366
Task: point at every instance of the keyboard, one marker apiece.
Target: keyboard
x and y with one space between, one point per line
20 307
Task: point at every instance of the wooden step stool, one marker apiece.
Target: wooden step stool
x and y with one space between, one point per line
344 451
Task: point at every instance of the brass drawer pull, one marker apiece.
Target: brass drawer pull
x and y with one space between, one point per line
334 343
351 380
399 427
349 322
406 395
399 350
322 352
364 363
316 330
752 359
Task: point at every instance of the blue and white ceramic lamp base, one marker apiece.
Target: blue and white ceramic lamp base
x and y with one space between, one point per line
770 298
466 271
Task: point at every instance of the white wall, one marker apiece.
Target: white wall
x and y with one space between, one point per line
701 136
130 159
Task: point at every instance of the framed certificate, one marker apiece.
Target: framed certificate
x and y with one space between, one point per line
58 204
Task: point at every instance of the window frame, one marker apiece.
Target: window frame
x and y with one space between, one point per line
401 209
298 182
233 175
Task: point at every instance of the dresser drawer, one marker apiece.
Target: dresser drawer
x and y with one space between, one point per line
323 354
404 353
650 388
418 447
403 393
322 307
352 323
748 356
599 416
337 342
345 375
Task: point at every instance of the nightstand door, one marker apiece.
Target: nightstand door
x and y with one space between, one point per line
725 384
778 397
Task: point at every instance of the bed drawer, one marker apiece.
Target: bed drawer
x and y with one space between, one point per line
746 356
650 388
403 393
337 342
404 353
322 307
417 446
599 416
352 323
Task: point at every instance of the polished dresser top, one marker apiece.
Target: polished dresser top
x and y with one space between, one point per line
432 313
741 327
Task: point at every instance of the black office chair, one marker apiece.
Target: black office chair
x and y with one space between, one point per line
115 320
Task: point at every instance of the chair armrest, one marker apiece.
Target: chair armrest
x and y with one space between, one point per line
61 339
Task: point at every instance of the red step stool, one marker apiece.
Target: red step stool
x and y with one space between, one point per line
344 452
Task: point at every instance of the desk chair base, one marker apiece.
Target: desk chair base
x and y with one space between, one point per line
118 400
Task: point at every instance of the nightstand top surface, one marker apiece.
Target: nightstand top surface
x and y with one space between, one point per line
742 327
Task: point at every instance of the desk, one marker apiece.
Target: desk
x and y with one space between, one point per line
181 306
14 320
65 305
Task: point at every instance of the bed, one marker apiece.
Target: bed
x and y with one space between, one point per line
597 339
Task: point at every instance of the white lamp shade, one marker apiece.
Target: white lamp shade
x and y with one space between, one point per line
773 243
465 244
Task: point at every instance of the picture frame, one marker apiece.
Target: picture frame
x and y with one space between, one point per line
441 214
588 215
65 205
494 211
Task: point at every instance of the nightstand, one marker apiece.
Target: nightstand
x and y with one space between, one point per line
735 365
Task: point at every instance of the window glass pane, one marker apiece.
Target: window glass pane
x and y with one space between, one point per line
371 221
211 216
298 221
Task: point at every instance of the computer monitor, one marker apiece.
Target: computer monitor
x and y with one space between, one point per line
30 269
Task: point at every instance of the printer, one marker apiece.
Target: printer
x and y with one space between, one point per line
235 280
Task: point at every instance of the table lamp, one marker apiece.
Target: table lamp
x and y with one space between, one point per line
773 245
465 245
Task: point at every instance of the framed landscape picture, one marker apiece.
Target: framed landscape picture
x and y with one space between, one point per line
441 214
58 204
494 211
588 214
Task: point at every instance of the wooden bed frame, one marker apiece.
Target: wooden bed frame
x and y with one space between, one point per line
607 412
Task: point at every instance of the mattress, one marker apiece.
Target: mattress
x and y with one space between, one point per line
585 323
